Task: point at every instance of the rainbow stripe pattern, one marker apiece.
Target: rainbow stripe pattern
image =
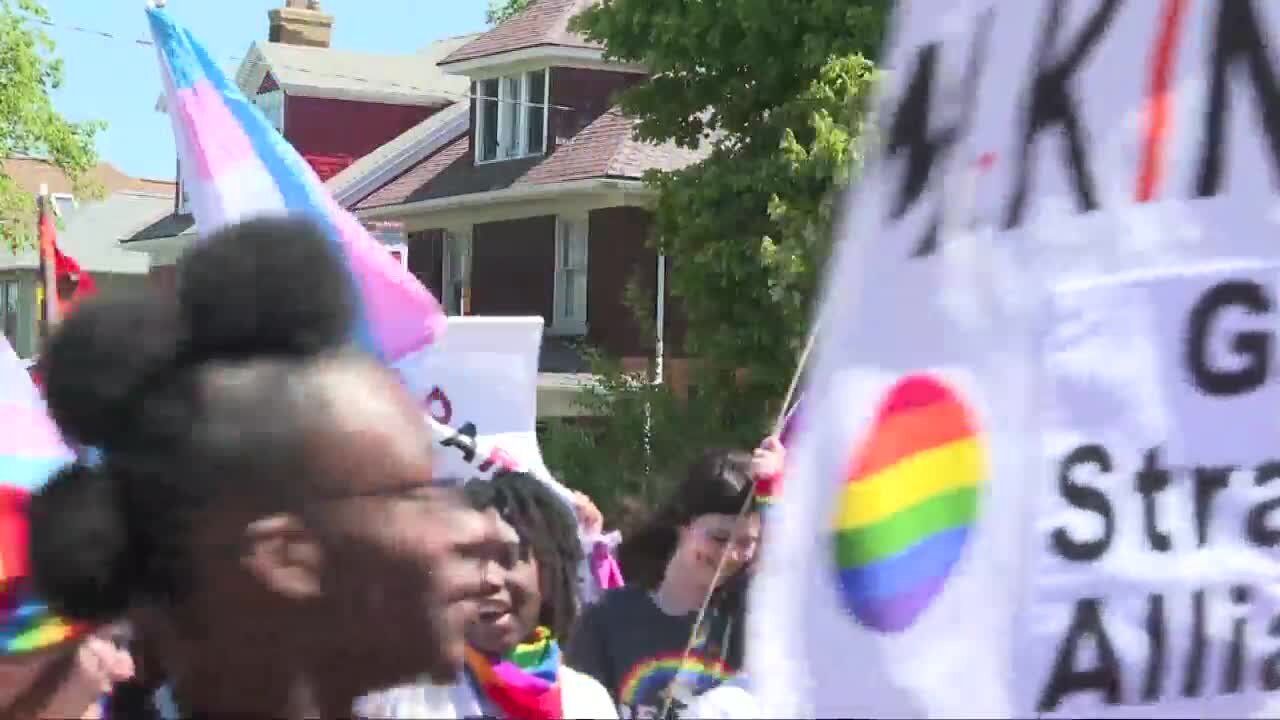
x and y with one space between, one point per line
907 504
31 449
526 683
652 677
235 166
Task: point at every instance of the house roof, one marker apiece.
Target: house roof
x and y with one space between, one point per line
30 173
170 225
543 23
400 153
604 149
90 235
350 75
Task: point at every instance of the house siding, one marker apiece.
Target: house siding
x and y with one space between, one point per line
589 93
620 256
332 134
513 267
164 278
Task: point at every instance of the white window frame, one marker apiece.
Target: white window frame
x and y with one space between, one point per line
11 294
55 197
403 250
271 103
514 108
573 228
456 243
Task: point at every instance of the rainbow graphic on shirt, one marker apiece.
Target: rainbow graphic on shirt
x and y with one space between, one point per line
652 677
908 504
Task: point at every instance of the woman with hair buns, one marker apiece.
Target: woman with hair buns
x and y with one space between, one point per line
264 504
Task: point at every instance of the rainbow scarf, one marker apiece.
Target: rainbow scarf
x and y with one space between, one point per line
31 449
524 685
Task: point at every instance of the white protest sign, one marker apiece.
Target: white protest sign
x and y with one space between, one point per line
1040 476
479 386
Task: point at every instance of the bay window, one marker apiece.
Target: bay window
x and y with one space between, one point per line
511 116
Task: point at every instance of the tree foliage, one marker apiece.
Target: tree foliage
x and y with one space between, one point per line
29 124
774 92
501 10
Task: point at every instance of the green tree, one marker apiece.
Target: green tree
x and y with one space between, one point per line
29 124
500 10
775 91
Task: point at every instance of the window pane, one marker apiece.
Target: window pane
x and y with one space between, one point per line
63 205
570 293
10 292
509 117
536 111
488 91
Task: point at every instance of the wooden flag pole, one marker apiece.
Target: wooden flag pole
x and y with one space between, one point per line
42 208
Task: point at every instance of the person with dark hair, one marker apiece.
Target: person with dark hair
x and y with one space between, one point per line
634 639
513 659
263 502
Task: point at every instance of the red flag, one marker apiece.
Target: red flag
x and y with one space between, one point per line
63 282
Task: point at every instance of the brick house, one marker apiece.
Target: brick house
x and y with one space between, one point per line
537 205
504 158
334 106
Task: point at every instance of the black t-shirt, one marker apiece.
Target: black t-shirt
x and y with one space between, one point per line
635 650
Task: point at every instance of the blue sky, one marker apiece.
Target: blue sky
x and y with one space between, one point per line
116 80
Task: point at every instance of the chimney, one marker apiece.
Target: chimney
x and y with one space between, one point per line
300 22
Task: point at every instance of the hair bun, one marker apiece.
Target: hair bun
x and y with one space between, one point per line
101 360
268 286
81 559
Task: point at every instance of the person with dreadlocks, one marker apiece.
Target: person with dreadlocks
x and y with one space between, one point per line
513 660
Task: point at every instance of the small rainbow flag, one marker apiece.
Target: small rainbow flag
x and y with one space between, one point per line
31 449
235 166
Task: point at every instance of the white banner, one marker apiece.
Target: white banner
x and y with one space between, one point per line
1040 475
479 386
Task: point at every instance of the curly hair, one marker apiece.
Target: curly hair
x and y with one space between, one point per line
164 385
549 529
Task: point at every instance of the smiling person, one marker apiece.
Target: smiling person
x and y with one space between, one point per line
263 506
514 667
633 641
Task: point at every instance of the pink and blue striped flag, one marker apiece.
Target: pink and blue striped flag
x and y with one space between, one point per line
235 166
31 449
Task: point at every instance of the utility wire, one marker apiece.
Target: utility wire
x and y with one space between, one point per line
143 42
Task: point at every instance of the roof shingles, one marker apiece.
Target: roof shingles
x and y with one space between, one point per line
543 23
606 148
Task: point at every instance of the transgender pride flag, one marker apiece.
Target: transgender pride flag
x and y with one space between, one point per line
31 449
236 166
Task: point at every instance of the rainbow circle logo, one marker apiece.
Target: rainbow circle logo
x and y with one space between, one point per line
908 504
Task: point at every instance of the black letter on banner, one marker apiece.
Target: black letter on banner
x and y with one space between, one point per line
1066 679
1053 104
1152 479
464 440
1238 38
1254 346
1085 498
1271 666
908 130
1209 481
1260 532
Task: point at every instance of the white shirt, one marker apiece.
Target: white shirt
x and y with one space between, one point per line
580 694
